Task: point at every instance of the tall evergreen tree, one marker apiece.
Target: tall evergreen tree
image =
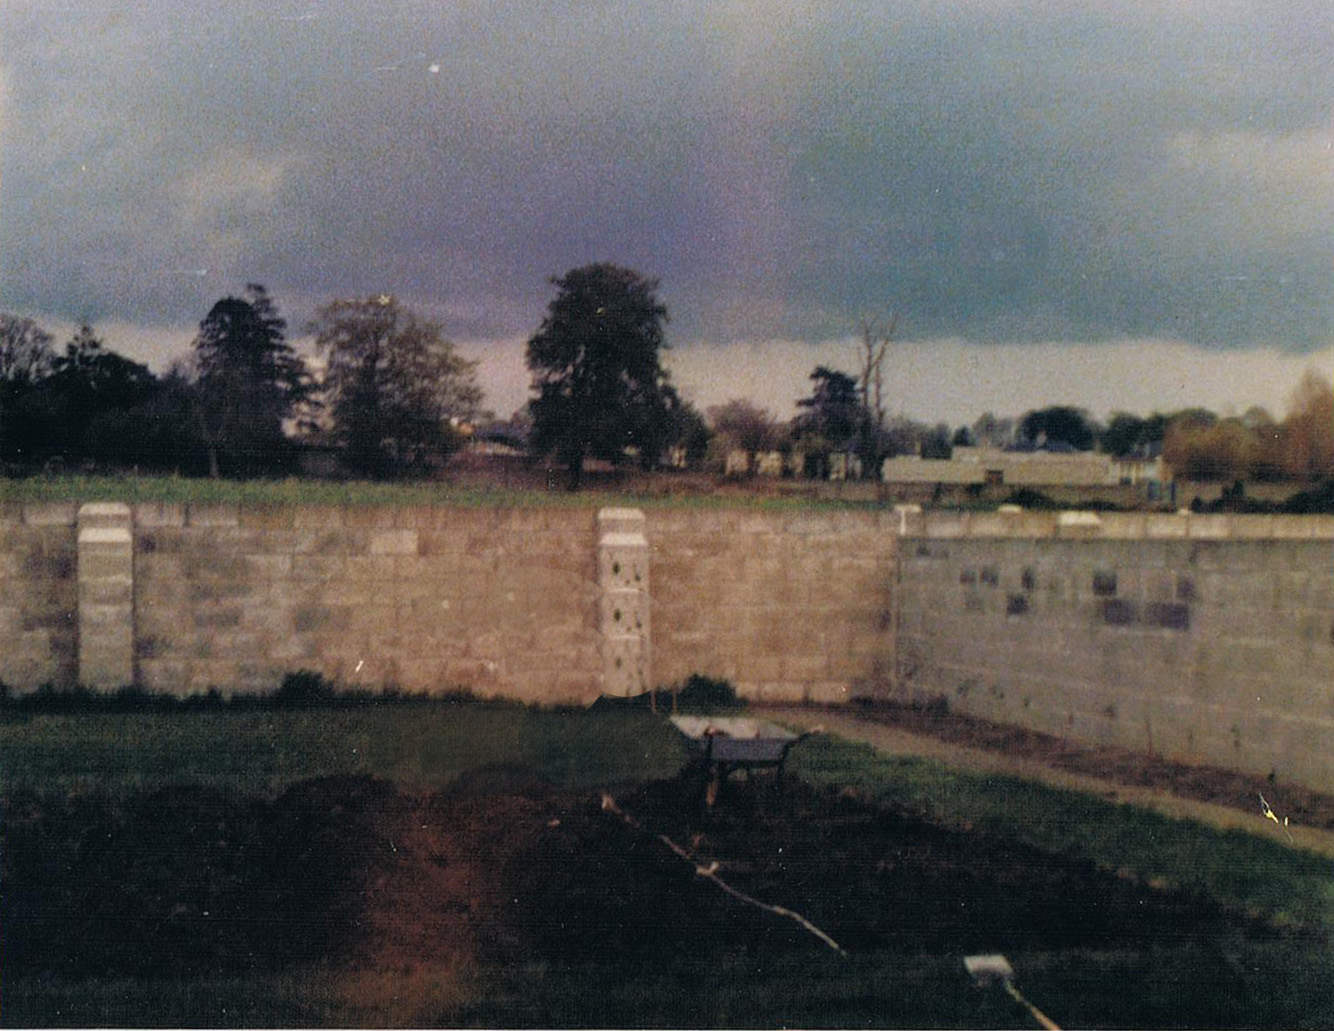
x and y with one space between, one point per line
601 388
250 382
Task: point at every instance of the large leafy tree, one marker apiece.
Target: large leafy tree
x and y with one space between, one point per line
745 426
596 363
396 386
53 419
250 382
25 358
1059 425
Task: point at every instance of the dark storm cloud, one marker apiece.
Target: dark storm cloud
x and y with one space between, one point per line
994 170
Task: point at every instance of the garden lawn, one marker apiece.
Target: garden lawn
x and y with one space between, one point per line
419 745
185 490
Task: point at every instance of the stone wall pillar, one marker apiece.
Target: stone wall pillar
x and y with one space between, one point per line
106 596
623 604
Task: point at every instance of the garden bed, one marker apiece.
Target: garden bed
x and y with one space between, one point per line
542 906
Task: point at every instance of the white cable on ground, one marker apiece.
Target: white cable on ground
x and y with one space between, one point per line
1038 1015
711 872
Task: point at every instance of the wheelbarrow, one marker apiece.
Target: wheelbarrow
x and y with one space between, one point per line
719 745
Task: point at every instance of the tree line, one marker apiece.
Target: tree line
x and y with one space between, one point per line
1196 443
392 397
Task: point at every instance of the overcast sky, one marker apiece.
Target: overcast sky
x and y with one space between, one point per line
1116 204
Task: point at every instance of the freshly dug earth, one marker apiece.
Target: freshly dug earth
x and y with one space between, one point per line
502 869
1212 784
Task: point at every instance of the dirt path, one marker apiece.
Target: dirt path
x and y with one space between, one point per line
1230 801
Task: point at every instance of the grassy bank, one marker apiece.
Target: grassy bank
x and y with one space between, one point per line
183 490
420 746
1241 870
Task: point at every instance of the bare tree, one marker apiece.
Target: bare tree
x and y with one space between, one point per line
876 338
875 342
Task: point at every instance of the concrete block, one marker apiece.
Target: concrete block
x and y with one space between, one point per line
623 562
216 516
393 542
57 513
369 517
158 514
1209 527
267 517
1176 524
625 665
623 611
317 517
104 514
1078 525
619 521
1303 526
946 525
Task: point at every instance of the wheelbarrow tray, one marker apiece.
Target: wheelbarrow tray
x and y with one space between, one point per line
736 740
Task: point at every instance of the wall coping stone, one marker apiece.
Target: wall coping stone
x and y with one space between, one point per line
104 535
944 525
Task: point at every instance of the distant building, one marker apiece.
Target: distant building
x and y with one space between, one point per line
1026 469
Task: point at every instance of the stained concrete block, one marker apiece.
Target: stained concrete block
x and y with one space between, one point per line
625 612
623 561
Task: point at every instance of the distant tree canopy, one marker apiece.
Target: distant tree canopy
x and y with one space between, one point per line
743 426
834 411
25 357
250 382
53 418
992 431
1127 434
597 373
688 431
1200 445
1059 424
89 405
396 387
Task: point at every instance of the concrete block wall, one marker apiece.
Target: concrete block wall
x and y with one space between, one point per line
498 601
517 602
39 595
1201 638
787 605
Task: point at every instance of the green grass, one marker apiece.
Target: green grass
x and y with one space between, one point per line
185 490
420 746
1238 869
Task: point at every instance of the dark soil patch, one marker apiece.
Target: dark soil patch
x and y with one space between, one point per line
503 869
871 879
1120 765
